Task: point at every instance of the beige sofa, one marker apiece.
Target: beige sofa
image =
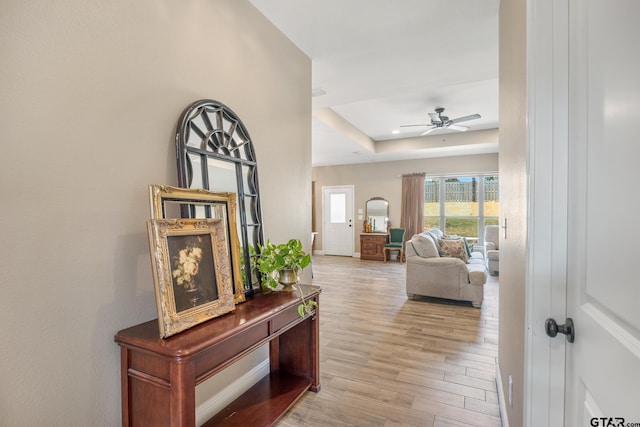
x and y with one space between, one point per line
430 274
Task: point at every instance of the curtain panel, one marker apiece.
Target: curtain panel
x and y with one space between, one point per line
412 212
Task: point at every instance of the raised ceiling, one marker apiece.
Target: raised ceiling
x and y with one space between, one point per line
380 64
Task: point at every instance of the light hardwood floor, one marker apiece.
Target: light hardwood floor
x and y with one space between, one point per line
388 361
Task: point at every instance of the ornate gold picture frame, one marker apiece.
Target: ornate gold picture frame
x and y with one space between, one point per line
175 202
191 272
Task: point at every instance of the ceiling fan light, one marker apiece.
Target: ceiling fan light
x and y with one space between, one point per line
438 121
318 91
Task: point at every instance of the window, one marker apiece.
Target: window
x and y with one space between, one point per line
431 203
461 205
338 206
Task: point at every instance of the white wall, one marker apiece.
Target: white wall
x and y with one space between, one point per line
513 195
384 179
90 96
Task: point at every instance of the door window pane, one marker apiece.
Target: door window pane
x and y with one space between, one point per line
466 227
338 206
461 196
491 197
491 221
430 222
432 197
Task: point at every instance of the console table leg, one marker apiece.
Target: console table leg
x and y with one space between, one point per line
124 385
274 354
183 395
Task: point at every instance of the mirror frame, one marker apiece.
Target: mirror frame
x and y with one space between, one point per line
189 200
208 129
386 221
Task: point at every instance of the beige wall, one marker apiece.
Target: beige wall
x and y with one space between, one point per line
91 94
384 179
513 195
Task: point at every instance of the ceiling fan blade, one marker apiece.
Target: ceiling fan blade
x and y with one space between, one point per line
465 118
458 127
408 126
429 131
435 118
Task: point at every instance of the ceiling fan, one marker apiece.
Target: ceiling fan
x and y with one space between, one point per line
438 121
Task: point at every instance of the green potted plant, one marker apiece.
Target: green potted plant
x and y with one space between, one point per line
282 263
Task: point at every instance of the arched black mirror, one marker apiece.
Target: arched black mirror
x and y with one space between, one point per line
214 152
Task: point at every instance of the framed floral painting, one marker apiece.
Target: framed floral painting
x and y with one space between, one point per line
175 202
192 272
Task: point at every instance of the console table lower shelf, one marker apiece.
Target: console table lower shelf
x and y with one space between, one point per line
159 375
264 403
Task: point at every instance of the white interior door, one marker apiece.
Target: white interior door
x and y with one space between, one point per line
337 206
603 285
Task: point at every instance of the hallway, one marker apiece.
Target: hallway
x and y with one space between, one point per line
387 361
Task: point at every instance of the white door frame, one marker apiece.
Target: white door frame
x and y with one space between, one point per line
351 208
547 171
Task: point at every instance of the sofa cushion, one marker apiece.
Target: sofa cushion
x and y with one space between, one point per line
424 246
477 255
453 248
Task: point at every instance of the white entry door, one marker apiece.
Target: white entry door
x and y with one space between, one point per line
603 284
337 205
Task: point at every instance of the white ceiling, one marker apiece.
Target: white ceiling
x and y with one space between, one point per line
382 64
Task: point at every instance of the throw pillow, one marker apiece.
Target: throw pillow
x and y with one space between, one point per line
424 246
466 246
453 248
456 237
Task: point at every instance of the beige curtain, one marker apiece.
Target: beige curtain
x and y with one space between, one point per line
412 212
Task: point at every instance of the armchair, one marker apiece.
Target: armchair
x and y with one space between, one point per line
492 248
396 243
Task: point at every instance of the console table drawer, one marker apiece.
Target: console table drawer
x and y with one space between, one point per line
226 349
149 364
288 317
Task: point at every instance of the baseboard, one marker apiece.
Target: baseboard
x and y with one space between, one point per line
355 254
219 401
501 399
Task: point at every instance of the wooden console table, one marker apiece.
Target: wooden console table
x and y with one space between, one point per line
372 246
159 376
